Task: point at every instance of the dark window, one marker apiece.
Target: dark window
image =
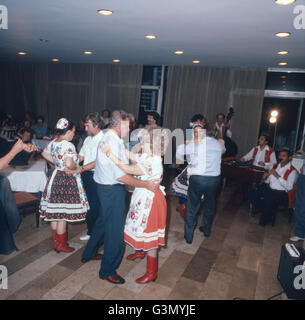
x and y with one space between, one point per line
285 81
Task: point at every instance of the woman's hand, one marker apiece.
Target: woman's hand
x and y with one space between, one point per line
106 148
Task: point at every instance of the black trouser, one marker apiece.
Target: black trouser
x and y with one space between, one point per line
266 200
198 186
109 229
91 190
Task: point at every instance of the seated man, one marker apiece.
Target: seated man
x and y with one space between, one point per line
262 155
23 157
278 181
39 128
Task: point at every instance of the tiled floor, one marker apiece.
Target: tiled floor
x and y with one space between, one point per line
240 259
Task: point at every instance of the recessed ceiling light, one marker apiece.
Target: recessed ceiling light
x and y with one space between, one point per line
21 53
283 34
87 52
282 52
55 60
196 61
105 12
150 36
283 63
178 52
116 60
284 2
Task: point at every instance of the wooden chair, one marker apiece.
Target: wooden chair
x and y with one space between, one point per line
27 203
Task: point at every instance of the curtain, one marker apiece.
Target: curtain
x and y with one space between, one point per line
210 90
69 90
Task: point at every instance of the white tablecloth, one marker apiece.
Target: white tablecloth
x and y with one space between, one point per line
31 178
41 143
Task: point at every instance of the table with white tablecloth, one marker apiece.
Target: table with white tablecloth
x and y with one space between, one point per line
31 178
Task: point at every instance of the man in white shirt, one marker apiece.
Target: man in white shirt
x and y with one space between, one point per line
262 155
278 181
204 170
87 153
111 180
223 129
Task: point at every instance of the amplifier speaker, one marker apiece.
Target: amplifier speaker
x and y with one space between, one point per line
286 275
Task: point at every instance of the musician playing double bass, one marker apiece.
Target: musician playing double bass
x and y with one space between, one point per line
222 127
262 155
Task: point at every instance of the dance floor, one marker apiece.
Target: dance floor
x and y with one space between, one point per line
240 259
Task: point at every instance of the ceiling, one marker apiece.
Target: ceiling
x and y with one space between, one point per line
217 32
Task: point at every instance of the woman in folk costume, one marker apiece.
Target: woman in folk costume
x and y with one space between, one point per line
146 218
180 184
64 198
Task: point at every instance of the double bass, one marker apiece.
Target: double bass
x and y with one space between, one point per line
231 146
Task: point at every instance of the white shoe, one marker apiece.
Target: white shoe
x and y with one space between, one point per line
295 239
85 238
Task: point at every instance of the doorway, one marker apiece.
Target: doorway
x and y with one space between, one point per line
287 131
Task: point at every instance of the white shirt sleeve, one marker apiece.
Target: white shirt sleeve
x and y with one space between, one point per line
82 150
269 165
249 155
229 133
47 149
180 152
288 184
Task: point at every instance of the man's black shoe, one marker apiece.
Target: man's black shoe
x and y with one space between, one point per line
187 241
206 234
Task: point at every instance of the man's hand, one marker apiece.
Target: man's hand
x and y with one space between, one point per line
242 159
72 172
152 185
274 173
261 163
265 175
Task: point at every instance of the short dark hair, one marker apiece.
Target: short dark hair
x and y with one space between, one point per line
40 118
220 114
210 130
198 117
287 150
156 116
29 130
62 132
95 118
266 135
106 110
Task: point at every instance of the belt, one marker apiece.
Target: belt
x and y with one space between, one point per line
113 185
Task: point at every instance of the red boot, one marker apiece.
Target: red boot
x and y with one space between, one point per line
182 209
62 243
138 254
151 271
55 241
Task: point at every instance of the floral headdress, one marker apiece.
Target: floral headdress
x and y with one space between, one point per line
62 123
